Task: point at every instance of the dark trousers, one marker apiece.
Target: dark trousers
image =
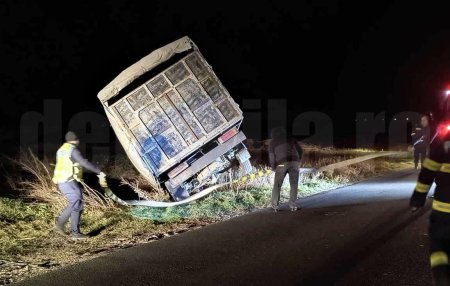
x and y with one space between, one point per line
419 152
439 231
291 168
74 195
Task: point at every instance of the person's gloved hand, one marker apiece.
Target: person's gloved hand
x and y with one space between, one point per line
102 180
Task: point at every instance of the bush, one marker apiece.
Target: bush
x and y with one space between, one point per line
37 185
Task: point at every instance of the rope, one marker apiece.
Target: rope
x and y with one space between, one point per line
244 179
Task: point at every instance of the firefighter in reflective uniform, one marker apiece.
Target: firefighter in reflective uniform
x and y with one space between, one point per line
436 168
67 175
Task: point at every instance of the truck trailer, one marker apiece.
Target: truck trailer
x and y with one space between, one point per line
176 121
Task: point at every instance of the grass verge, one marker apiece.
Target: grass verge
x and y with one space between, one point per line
29 246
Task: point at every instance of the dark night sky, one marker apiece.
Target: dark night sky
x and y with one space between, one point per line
348 56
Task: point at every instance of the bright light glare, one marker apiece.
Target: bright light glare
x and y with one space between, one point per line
447 92
448 127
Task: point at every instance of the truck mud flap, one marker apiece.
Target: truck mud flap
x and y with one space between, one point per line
178 193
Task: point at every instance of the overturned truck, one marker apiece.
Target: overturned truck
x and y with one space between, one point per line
177 123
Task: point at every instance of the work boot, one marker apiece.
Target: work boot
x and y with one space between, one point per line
79 235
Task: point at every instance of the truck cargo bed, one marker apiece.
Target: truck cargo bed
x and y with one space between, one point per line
172 114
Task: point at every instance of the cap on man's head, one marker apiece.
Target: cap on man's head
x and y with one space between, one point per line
71 136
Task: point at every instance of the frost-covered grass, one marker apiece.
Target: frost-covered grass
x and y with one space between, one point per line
26 222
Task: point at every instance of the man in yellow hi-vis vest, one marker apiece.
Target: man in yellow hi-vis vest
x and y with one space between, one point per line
68 172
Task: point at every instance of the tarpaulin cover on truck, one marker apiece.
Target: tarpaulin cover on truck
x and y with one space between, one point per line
173 113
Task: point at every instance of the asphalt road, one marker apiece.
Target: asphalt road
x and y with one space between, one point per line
358 235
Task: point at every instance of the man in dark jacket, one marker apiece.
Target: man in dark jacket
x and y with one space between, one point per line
423 140
285 155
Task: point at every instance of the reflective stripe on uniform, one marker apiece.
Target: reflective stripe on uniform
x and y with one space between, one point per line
445 168
438 258
431 165
422 188
441 206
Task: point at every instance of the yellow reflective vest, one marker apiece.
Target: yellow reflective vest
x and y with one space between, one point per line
66 170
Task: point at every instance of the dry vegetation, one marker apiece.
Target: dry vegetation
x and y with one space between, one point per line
26 223
145 190
37 185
